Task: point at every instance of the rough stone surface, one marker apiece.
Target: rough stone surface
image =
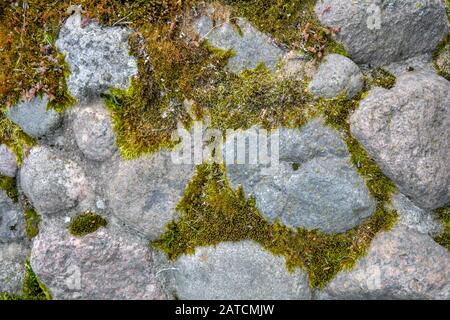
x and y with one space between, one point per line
94 133
324 192
52 183
107 264
98 58
337 74
34 118
405 130
12 222
400 264
443 62
413 217
8 164
251 46
12 267
380 32
240 270
145 192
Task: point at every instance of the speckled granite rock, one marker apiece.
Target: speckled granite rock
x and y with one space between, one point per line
8 163
12 220
12 267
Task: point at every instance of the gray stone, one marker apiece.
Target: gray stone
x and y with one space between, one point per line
106 264
144 192
8 163
52 183
443 62
413 217
12 220
400 264
93 132
34 118
250 45
234 271
405 130
12 267
314 186
98 57
379 32
336 75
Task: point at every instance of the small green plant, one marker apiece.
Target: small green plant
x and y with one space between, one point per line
382 78
443 214
9 186
86 223
32 220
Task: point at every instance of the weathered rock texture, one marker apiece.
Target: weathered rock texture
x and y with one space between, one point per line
401 264
98 58
52 183
240 270
107 264
12 220
34 118
145 192
12 267
406 131
337 75
315 186
93 132
379 32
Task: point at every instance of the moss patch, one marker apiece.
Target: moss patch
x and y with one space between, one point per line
443 214
32 220
380 77
86 223
32 288
212 212
9 186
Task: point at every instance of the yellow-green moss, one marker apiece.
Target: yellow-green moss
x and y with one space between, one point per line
211 212
32 221
32 288
443 214
9 186
380 77
86 223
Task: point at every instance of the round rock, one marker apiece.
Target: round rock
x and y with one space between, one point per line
406 131
336 75
108 264
314 185
400 264
8 163
145 192
381 32
12 267
93 132
52 183
34 118
237 271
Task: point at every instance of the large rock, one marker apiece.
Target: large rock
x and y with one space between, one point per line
98 57
251 46
52 183
234 271
314 186
12 267
12 220
406 131
380 32
34 118
93 132
8 163
145 192
400 264
107 264
336 75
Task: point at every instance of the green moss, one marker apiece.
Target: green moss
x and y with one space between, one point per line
379 77
86 223
443 214
212 212
32 288
32 220
9 186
